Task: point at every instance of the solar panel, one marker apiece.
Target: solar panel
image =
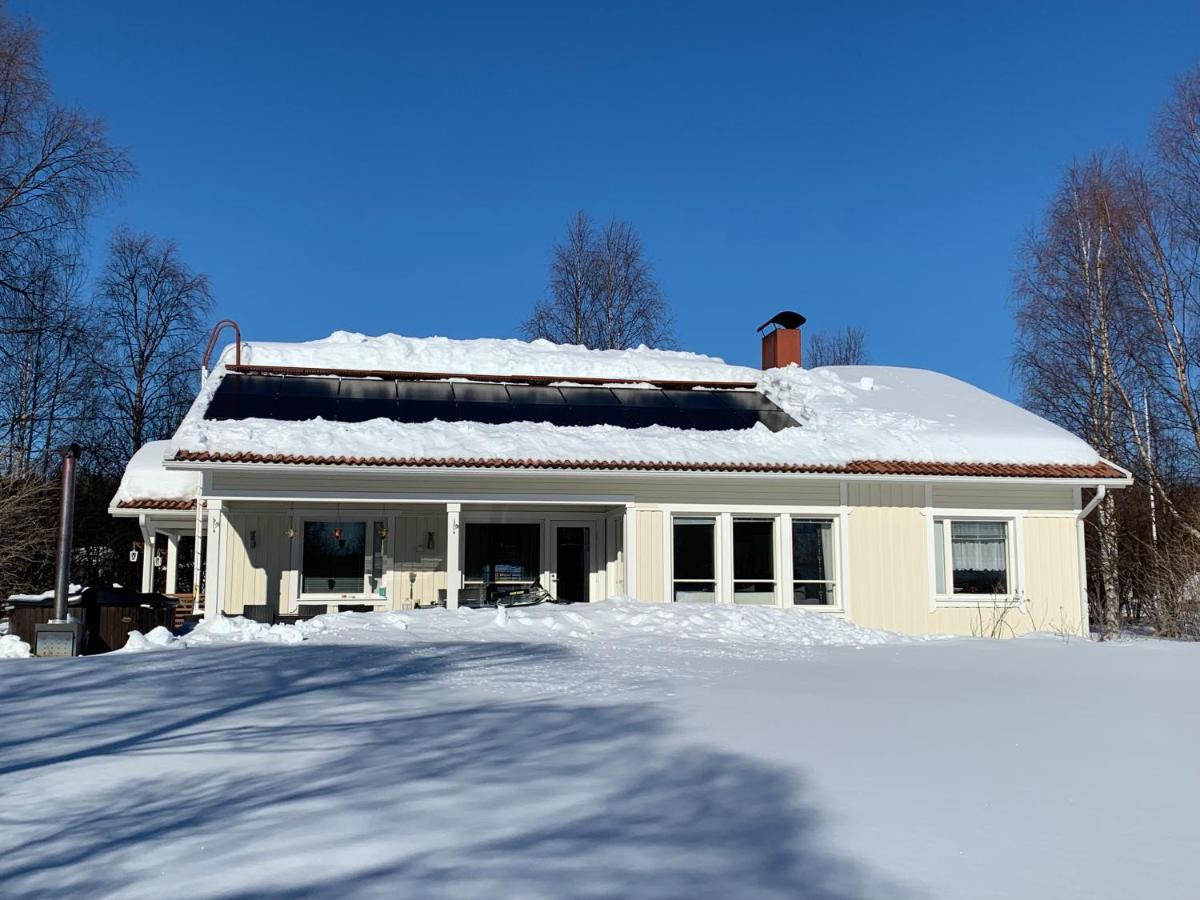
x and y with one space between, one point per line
299 398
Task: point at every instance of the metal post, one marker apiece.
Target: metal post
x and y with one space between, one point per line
66 530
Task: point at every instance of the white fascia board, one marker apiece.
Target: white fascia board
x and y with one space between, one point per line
458 471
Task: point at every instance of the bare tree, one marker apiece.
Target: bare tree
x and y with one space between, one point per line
602 292
1074 317
56 163
155 310
846 347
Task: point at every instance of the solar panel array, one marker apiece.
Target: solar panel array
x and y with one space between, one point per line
298 398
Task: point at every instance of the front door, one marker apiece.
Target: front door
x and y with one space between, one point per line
572 563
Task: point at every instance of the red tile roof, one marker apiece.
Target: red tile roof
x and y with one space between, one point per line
156 504
1099 470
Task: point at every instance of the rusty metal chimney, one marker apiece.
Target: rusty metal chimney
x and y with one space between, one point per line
781 345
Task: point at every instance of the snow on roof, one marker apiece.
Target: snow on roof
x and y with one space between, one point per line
489 356
846 414
147 484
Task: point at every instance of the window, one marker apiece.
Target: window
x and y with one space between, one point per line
754 561
335 558
971 557
502 553
695 560
813 566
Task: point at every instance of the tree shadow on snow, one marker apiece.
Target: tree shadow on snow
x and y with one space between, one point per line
333 770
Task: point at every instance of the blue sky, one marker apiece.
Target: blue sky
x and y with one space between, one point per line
391 167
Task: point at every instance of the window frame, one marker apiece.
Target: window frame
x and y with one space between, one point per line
1014 556
835 552
716 580
370 583
724 517
773 543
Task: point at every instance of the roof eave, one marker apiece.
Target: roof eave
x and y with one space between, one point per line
533 469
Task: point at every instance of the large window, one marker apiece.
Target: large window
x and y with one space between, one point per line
502 553
813 568
335 558
972 557
754 561
695 560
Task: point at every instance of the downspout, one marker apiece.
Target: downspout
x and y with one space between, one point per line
1084 623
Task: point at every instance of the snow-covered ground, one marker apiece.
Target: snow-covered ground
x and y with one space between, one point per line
615 750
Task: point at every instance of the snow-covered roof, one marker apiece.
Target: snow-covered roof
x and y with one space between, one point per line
146 484
858 416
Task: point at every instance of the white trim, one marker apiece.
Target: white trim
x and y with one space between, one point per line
842 537
453 554
1085 624
630 536
1015 553
172 562
149 536
214 585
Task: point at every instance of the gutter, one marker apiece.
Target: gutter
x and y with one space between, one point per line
1085 624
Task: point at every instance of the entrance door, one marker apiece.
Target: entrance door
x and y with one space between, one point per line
572 563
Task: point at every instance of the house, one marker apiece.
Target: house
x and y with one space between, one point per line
389 472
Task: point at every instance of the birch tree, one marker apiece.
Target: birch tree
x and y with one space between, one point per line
601 292
155 310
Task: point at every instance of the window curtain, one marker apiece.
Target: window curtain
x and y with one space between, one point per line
979 546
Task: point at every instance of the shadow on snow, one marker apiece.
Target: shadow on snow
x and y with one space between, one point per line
333 770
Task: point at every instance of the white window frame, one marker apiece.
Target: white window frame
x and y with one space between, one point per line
783 569
835 583
718 543
1014 552
368 592
734 581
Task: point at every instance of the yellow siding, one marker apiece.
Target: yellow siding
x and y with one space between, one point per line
1052 573
420 572
886 585
649 566
890 572
260 573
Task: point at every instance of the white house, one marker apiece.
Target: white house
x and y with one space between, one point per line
392 472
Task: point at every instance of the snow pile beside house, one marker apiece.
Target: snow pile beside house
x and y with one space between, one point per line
12 647
845 414
146 479
694 630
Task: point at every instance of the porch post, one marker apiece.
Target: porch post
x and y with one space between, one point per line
148 536
630 534
197 561
453 566
212 564
172 561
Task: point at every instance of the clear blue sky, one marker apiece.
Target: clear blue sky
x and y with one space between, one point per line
389 167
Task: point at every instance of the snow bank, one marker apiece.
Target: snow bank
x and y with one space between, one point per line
12 647
146 479
845 413
703 630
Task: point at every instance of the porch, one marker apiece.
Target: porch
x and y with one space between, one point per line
275 559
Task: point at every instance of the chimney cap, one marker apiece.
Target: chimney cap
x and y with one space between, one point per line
785 319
